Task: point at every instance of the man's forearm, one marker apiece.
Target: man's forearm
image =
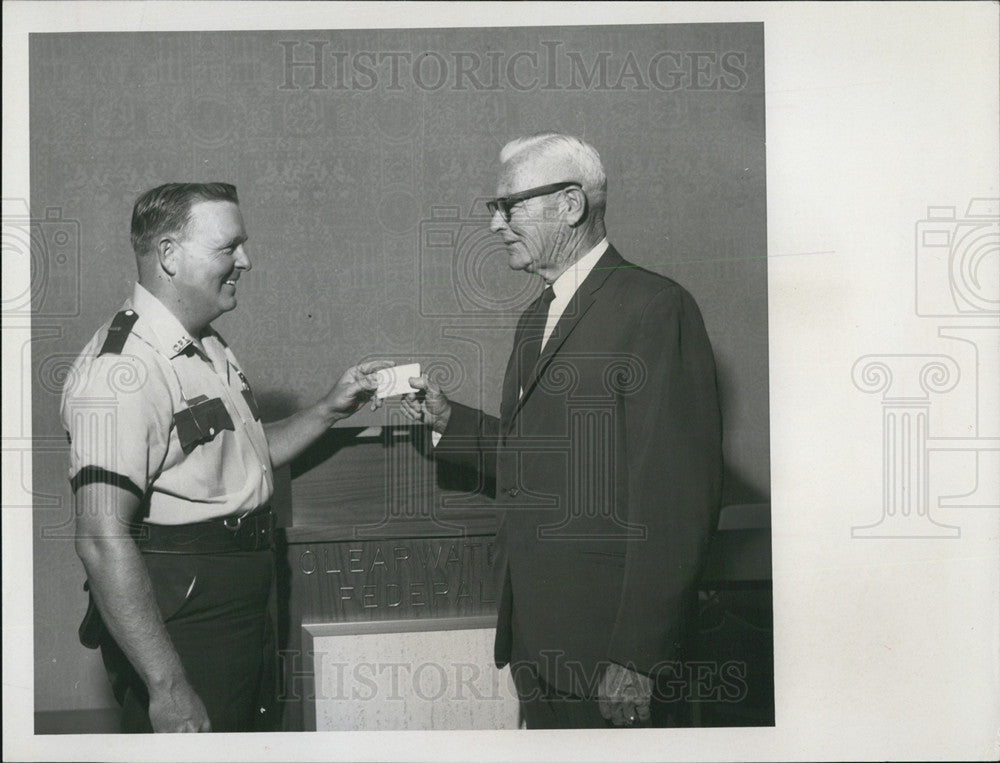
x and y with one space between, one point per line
287 438
121 587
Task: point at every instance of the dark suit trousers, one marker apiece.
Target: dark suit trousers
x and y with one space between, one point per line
542 705
545 707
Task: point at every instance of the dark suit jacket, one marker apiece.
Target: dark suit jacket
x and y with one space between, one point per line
608 473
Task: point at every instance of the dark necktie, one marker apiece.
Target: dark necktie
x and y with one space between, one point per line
531 342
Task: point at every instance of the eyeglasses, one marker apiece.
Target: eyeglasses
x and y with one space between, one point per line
504 204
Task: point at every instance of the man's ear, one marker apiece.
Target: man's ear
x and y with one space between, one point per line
167 254
576 202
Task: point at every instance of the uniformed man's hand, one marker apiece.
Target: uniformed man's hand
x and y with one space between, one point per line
624 695
356 387
176 708
428 405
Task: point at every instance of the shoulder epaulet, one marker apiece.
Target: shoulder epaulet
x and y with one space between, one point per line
118 332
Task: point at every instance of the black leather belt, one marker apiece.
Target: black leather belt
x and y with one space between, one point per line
251 532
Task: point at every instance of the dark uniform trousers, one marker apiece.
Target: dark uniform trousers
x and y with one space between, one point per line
214 607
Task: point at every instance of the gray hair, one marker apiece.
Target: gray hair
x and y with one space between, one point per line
582 159
167 209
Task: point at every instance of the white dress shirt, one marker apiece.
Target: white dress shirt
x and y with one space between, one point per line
567 283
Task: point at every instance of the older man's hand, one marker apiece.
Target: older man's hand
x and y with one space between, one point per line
428 405
624 695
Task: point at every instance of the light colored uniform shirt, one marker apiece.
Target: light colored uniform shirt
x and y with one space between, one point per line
170 418
564 287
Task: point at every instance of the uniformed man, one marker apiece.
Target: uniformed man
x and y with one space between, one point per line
172 471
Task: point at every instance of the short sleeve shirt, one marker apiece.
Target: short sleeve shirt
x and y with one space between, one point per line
149 408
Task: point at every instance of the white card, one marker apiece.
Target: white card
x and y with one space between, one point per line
396 380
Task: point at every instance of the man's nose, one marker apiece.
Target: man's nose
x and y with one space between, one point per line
497 223
242 258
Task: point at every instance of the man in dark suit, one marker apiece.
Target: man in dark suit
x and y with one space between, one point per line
606 458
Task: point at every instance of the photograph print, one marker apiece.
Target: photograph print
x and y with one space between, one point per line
393 379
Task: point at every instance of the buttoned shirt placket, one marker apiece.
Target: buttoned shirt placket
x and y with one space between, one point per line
223 362
219 359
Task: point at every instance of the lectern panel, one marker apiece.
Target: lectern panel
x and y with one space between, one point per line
429 674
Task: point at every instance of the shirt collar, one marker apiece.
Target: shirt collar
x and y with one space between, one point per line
166 331
570 279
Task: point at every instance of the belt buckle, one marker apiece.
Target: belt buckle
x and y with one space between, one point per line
233 528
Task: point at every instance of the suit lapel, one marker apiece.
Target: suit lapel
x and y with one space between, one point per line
511 380
578 306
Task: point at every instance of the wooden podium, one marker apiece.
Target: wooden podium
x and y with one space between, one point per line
377 535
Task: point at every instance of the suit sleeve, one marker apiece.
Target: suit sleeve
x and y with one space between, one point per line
673 450
472 438
470 444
